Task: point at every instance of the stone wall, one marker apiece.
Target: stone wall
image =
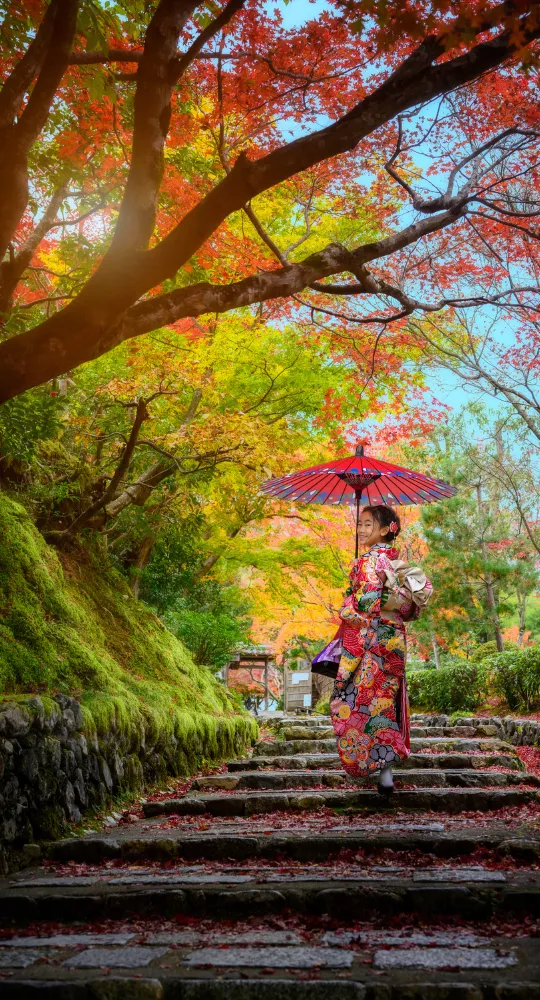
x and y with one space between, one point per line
51 770
519 732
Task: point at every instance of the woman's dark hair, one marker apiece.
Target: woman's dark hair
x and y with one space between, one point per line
384 516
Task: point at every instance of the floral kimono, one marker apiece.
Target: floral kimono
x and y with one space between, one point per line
369 703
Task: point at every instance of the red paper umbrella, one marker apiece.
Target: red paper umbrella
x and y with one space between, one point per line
359 478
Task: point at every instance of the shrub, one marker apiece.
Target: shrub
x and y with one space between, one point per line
486 649
515 676
322 707
459 687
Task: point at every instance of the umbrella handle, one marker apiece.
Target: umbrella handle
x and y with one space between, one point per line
358 495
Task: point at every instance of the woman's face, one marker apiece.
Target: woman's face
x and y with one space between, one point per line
370 531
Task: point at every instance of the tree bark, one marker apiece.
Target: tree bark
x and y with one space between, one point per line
141 562
213 558
12 270
488 580
152 115
19 81
17 137
68 338
522 612
140 491
141 414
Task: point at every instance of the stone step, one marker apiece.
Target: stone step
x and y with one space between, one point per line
425 719
337 779
307 733
433 761
222 840
451 800
306 720
360 963
317 732
261 984
285 748
473 893
458 732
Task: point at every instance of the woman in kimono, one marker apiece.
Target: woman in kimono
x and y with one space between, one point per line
369 705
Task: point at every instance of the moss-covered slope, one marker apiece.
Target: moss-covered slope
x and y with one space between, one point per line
73 626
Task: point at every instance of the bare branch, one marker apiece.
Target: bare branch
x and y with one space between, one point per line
141 415
179 66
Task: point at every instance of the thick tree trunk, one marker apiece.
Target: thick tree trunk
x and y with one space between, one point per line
141 562
152 114
488 581
522 612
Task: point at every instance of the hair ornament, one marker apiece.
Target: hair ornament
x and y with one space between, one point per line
393 527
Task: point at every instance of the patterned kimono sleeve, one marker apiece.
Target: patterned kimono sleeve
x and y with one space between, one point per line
369 593
367 598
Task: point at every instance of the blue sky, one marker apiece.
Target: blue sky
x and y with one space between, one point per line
443 384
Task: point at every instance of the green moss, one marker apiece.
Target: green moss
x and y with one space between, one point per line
71 625
51 823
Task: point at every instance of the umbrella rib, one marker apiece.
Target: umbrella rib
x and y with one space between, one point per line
346 486
407 493
311 484
403 490
298 482
377 486
308 491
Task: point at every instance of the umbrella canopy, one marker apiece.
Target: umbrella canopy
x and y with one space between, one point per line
359 479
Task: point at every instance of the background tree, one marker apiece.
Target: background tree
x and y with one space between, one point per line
479 551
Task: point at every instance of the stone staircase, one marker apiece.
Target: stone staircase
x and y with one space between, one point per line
284 877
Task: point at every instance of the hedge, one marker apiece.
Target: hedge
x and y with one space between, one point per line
461 687
515 676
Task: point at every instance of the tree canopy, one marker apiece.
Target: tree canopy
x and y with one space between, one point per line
185 159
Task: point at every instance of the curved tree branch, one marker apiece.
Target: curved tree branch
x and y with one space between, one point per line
17 137
19 81
12 270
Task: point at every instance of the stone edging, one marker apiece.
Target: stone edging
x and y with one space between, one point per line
52 769
519 732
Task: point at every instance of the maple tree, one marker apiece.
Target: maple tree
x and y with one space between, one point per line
157 134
